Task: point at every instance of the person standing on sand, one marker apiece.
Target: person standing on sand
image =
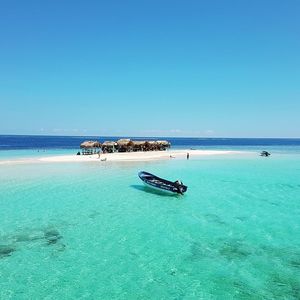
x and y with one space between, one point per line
188 156
99 154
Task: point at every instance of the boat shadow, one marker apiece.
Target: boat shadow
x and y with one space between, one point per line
152 191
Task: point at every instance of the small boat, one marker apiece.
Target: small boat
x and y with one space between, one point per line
157 183
265 153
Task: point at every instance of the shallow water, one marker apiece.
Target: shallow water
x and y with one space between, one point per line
92 231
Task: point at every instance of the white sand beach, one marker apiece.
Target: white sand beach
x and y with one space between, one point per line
119 157
136 156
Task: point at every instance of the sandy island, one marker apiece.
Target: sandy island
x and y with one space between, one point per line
126 156
135 156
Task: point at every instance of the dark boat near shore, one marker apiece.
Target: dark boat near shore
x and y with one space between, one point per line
161 184
265 153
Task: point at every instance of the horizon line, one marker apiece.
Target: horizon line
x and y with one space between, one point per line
132 136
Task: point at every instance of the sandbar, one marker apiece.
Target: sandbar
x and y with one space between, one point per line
119 157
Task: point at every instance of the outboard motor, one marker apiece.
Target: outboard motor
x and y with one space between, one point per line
180 190
179 187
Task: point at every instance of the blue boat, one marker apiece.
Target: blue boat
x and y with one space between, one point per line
161 184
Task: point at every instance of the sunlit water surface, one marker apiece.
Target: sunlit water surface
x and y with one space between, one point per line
92 231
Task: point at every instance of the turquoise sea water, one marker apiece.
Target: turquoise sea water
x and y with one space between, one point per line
92 231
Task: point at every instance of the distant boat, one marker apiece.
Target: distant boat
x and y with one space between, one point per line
157 183
265 153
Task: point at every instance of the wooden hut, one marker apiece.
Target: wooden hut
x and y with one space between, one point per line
138 146
124 145
90 147
151 146
109 147
163 145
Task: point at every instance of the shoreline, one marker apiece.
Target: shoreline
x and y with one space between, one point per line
120 157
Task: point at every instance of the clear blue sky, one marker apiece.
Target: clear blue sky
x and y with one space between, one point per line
150 68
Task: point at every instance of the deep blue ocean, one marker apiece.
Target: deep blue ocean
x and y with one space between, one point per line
22 142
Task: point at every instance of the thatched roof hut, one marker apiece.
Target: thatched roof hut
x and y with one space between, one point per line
124 145
109 146
151 146
139 145
90 144
156 145
109 143
122 142
90 147
163 145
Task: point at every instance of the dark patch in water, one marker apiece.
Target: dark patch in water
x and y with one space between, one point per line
235 249
287 256
6 250
61 247
284 286
292 259
52 236
269 201
234 287
243 291
173 272
215 219
295 263
94 214
134 254
24 237
288 185
199 251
